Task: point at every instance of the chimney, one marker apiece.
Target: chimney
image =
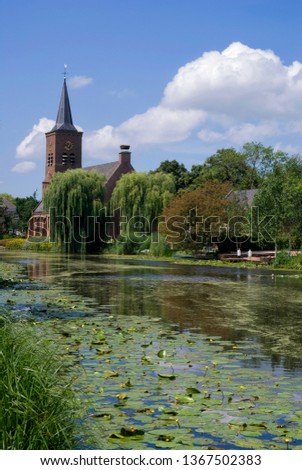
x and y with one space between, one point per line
124 156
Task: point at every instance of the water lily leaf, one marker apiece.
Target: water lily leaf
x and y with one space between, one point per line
122 396
116 435
258 425
103 351
107 416
165 437
128 384
162 353
146 410
192 390
130 432
147 359
184 399
166 445
110 373
167 376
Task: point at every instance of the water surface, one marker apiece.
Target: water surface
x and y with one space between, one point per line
234 333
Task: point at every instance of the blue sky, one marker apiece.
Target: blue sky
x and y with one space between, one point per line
173 79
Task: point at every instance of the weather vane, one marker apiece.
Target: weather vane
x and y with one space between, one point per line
65 73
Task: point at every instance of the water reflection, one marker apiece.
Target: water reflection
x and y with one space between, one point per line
235 304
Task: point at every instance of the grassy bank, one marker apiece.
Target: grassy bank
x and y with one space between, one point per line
283 261
187 261
36 403
29 245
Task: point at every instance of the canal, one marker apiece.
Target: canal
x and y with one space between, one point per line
172 356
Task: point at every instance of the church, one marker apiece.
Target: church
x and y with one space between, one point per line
64 152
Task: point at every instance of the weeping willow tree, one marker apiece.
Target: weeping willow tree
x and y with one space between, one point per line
141 198
74 200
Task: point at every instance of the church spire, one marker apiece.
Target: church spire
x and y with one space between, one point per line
64 117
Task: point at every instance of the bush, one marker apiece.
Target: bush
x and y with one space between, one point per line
14 243
36 404
130 244
285 260
159 247
32 245
40 246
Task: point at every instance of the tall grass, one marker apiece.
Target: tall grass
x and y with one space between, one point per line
36 403
285 260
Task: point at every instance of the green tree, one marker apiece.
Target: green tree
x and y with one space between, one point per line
226 165
141 198
24 207
5 218
279 200
8 196
196 177
261 161
244 169
75 199
179 172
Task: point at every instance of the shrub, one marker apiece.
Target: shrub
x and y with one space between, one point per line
285 260
32 245
40 246
36 403
14 243
130 244
159 247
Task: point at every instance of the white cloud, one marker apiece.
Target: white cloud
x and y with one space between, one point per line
290 149
24 167
240 82
241 133
233 96
101 142
222 98
33 145
157 125
79 81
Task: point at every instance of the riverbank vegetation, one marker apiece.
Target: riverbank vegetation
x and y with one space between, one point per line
25 244
237 199
247 198
36 403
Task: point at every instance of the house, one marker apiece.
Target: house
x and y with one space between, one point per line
64 152
243 196
8 215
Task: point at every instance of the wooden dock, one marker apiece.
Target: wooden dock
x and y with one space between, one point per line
257 257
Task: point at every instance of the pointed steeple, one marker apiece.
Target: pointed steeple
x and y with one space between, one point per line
64 117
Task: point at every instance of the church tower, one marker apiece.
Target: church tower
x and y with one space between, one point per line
63 142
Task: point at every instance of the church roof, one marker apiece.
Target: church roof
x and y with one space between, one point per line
106 169
39 208
9 206
64 117
243 195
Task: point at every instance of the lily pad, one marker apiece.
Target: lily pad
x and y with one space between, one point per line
167 376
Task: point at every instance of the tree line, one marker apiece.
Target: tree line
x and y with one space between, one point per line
188 209
18 221
209 204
